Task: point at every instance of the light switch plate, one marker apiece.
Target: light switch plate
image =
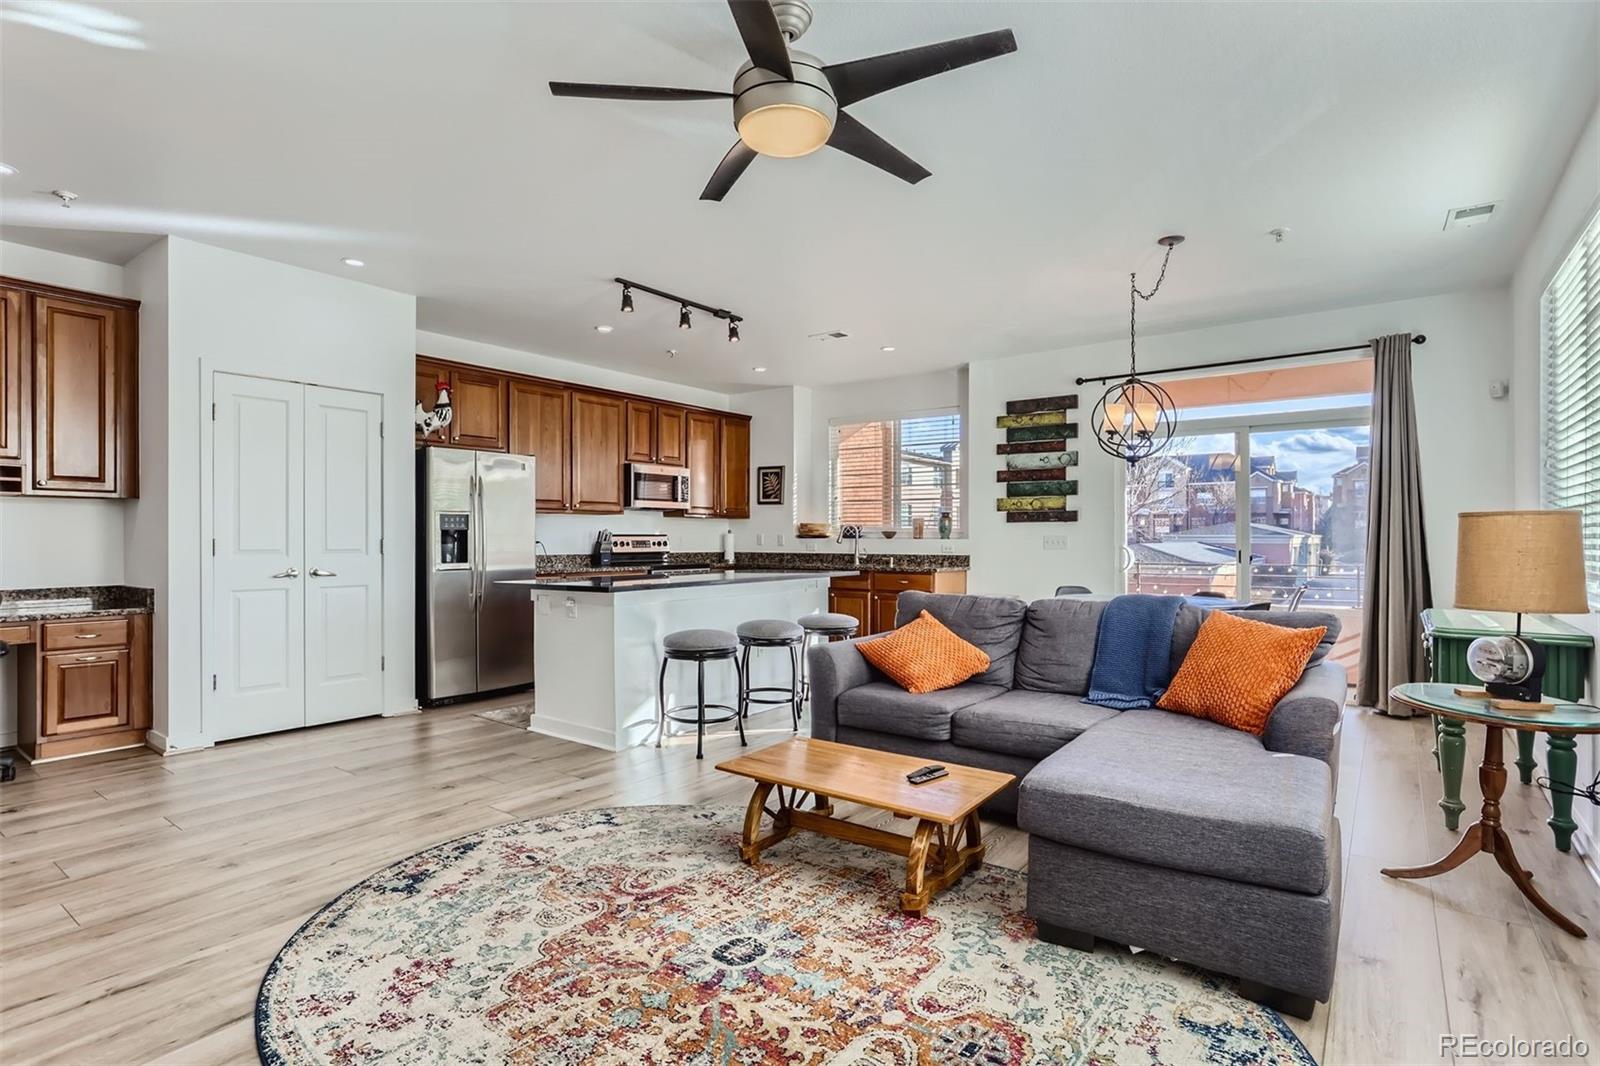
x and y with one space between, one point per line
761 540
1055 542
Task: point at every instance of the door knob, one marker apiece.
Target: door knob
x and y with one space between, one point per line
291 572
317 571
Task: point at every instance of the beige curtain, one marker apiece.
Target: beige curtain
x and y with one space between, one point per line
1397 585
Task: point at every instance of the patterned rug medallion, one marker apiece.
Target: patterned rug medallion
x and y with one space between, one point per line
634 935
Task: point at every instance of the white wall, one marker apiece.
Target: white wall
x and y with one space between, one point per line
574 534
240 314
1465 436
1576 199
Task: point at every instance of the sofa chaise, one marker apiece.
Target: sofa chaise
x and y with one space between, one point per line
1145 827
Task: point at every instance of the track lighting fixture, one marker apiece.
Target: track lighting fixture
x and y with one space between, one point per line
685 319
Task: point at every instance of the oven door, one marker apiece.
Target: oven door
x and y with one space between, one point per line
654 487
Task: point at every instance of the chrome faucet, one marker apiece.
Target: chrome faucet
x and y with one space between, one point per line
854 533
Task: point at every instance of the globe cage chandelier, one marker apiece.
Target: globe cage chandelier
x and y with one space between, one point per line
1136 418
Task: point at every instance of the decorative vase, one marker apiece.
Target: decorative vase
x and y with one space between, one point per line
945 525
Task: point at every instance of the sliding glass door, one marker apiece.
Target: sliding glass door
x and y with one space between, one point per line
1268 510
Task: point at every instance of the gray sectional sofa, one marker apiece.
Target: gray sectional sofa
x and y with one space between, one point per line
1181 836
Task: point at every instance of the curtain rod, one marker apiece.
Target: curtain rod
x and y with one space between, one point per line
1420 338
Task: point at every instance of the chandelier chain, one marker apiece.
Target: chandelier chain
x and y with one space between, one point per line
1133 307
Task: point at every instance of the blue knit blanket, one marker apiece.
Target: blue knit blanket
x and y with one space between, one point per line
1133 651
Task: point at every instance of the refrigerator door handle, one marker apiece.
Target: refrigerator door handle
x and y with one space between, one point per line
480 570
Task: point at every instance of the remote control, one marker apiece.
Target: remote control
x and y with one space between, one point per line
927 773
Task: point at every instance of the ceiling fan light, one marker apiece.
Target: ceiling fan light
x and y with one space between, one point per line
785 130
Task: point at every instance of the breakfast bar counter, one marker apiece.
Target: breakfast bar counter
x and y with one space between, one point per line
598 644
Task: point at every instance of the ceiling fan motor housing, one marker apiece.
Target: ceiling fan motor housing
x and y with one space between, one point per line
783 118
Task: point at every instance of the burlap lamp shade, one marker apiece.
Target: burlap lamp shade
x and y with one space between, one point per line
1530 562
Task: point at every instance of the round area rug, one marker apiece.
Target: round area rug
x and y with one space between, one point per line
635 935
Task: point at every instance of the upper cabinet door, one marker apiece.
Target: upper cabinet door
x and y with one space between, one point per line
701 452
429 375
541 426
13 364
478 402
641 432
77 394
597 449
734 466
670 445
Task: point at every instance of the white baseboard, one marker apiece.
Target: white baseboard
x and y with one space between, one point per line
573 731
158 741
8 738
413 709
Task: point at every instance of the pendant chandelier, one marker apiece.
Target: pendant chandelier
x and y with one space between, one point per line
1135 419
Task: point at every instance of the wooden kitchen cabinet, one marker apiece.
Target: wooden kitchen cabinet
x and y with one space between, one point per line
598 432
701 454
641 432
857 603
85 691
69 403
478 400
872 597
733 468
85 686
671 448
541 426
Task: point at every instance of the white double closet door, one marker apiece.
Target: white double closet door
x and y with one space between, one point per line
296 618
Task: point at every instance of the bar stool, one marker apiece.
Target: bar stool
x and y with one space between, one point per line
771 633
698 646
829 627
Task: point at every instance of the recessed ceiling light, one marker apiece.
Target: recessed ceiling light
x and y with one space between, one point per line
351 262
759 369
887 348
6 169
603 328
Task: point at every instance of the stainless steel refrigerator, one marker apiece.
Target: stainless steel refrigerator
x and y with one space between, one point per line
475 512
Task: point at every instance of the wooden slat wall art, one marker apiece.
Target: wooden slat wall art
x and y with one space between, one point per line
1037 459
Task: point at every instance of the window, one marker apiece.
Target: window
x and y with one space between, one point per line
886 473
1571 323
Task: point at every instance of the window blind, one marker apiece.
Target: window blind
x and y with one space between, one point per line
1571 386
888 472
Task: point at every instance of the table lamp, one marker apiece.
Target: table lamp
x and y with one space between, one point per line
1524 562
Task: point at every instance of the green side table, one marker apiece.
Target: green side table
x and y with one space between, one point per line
1446 634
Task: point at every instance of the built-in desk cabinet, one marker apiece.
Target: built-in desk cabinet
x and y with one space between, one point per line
83 685
69 399
871 597
584 437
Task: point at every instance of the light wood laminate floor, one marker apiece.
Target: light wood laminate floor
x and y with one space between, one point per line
142 898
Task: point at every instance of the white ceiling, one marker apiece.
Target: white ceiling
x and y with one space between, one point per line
422 138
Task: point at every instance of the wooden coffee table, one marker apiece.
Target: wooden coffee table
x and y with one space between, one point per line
822 771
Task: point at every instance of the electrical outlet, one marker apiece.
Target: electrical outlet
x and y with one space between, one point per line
781 539
946 548
1055 542
761 540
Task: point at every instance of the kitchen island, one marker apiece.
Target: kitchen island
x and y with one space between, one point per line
597 645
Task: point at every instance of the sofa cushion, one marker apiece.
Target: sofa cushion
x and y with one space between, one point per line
1030 724
1186 794
1057 649
991 623
1187 627
885 707
1237 671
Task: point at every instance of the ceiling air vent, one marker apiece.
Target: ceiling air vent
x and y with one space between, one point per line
829 335
1462 217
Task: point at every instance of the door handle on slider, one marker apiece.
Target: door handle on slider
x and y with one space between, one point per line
291 572
317 571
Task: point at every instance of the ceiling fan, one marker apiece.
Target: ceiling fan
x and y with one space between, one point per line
786 103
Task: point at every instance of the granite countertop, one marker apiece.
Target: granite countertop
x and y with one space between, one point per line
552 566
715 579
55 604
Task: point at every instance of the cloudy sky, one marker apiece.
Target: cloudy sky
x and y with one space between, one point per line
1316 454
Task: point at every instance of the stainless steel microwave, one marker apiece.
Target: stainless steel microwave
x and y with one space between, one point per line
662 488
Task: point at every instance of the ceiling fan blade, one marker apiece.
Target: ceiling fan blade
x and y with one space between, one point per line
852 138
758 25
728 171
632 92
861 78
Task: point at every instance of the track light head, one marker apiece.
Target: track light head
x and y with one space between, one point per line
627 300
683 317
733 331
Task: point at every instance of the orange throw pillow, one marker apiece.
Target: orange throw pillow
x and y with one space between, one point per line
924 656
1237 671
